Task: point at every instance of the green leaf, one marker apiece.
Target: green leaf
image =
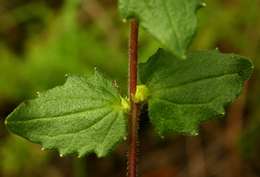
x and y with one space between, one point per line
172 22
82 116
184 93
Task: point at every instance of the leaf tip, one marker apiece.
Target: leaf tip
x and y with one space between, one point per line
80 154
100 154
203 4
247 69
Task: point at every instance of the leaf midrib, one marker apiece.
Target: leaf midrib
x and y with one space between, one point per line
193 81
98 119
55 117
186 104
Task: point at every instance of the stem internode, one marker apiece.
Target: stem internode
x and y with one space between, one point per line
134 107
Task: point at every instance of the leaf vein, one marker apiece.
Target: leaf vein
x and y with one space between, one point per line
195 81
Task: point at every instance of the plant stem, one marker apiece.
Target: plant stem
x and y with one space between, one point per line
135 108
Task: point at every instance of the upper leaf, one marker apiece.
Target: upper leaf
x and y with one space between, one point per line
183 93
83 115
172 22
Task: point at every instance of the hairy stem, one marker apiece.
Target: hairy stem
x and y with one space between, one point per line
134 111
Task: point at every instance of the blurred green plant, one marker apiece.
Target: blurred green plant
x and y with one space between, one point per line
65 47
17 157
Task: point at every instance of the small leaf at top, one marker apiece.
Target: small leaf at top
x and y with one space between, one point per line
172 22
184 93
82 116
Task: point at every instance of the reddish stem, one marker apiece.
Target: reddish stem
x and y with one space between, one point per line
134 112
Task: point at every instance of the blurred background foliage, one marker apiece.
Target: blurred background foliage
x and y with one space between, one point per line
42 41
